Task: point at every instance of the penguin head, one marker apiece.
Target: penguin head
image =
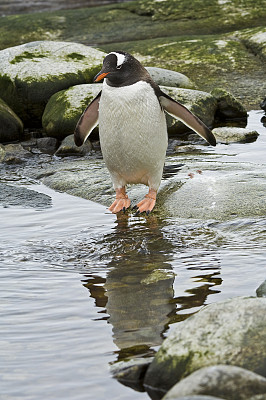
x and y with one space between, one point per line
121 69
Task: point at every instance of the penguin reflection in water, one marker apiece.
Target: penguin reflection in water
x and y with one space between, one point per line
132 127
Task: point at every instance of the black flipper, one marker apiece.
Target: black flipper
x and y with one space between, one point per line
87 121
179 111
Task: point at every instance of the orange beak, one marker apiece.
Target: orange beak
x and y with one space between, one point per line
101 76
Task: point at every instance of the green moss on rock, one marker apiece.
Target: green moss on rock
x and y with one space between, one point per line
65 108
30 74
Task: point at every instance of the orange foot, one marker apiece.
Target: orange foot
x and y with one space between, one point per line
148 203
121 202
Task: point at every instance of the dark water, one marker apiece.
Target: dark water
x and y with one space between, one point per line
81 290
8 7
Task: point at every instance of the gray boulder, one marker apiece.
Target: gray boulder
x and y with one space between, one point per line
165 77
225 381
14 154
229 134
64 109
68 148
230 332
202 104
228 106
31 73
47 145
261 290
11 126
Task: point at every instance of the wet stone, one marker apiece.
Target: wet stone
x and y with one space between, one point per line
23 197
225 381
47 145
231 134
230 332
68 148
15 154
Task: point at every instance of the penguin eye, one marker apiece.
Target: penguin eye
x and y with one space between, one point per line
119 66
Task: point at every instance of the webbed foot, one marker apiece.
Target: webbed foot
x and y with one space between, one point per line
148 203
121 203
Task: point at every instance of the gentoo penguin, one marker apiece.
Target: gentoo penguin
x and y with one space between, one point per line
132 127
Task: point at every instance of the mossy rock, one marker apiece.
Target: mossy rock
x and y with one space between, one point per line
202 104
64 109
11 126
231 332
30 74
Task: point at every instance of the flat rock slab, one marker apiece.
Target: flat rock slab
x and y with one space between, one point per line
231 134
31 73
231 332
225 381
17 196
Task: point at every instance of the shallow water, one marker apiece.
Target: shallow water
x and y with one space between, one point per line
81 290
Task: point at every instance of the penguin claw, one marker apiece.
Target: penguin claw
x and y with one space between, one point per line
119 205
146 205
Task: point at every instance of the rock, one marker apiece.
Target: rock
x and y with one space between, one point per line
229 134
165 77
22 197
15 154
131 373
228 106
11 126
64 109
231 332
68 148
2 152
47 145
202 104
255 40
261 290
258 397
263 104
225 381
31 73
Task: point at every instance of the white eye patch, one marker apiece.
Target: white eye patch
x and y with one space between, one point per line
120 59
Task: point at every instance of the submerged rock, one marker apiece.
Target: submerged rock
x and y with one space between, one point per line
64 109
229 134
225 381
11 126
165 77
31 73
131 373
68 148
231 332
